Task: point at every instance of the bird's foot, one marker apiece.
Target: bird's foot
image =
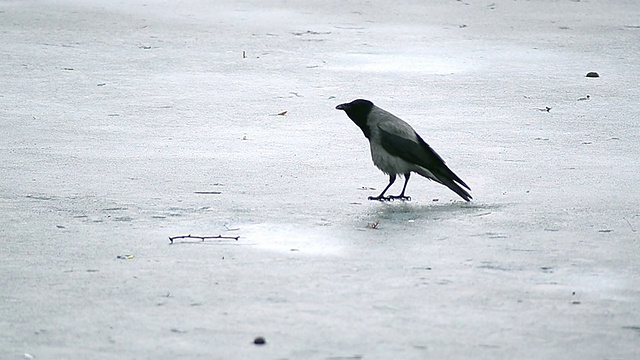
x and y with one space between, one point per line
380 198
400 197
390 198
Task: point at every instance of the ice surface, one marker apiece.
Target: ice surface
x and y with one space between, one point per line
114 115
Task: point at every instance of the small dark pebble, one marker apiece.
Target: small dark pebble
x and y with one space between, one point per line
259 340
593 74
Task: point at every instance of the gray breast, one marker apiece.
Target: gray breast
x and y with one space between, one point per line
388 163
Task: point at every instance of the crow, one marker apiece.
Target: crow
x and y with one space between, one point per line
397 149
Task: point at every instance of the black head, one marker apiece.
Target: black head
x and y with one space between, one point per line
358 111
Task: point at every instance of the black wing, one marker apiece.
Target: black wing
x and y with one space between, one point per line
420 153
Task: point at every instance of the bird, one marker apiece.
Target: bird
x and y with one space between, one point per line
397 149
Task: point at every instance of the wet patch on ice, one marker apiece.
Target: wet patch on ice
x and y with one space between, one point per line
291 238
399 62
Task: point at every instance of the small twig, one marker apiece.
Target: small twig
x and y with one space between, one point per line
483 214
203 238
631 226
229 229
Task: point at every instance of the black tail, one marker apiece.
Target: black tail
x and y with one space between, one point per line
447 178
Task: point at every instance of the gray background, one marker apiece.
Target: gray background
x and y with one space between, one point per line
114 114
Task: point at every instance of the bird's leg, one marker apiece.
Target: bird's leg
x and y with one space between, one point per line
381 197
401 196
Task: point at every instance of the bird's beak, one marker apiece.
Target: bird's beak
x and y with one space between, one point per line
341 107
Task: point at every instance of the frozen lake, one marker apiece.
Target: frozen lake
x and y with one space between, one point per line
129 122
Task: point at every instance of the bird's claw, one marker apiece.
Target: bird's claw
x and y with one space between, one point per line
390 198
379 198
400 197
